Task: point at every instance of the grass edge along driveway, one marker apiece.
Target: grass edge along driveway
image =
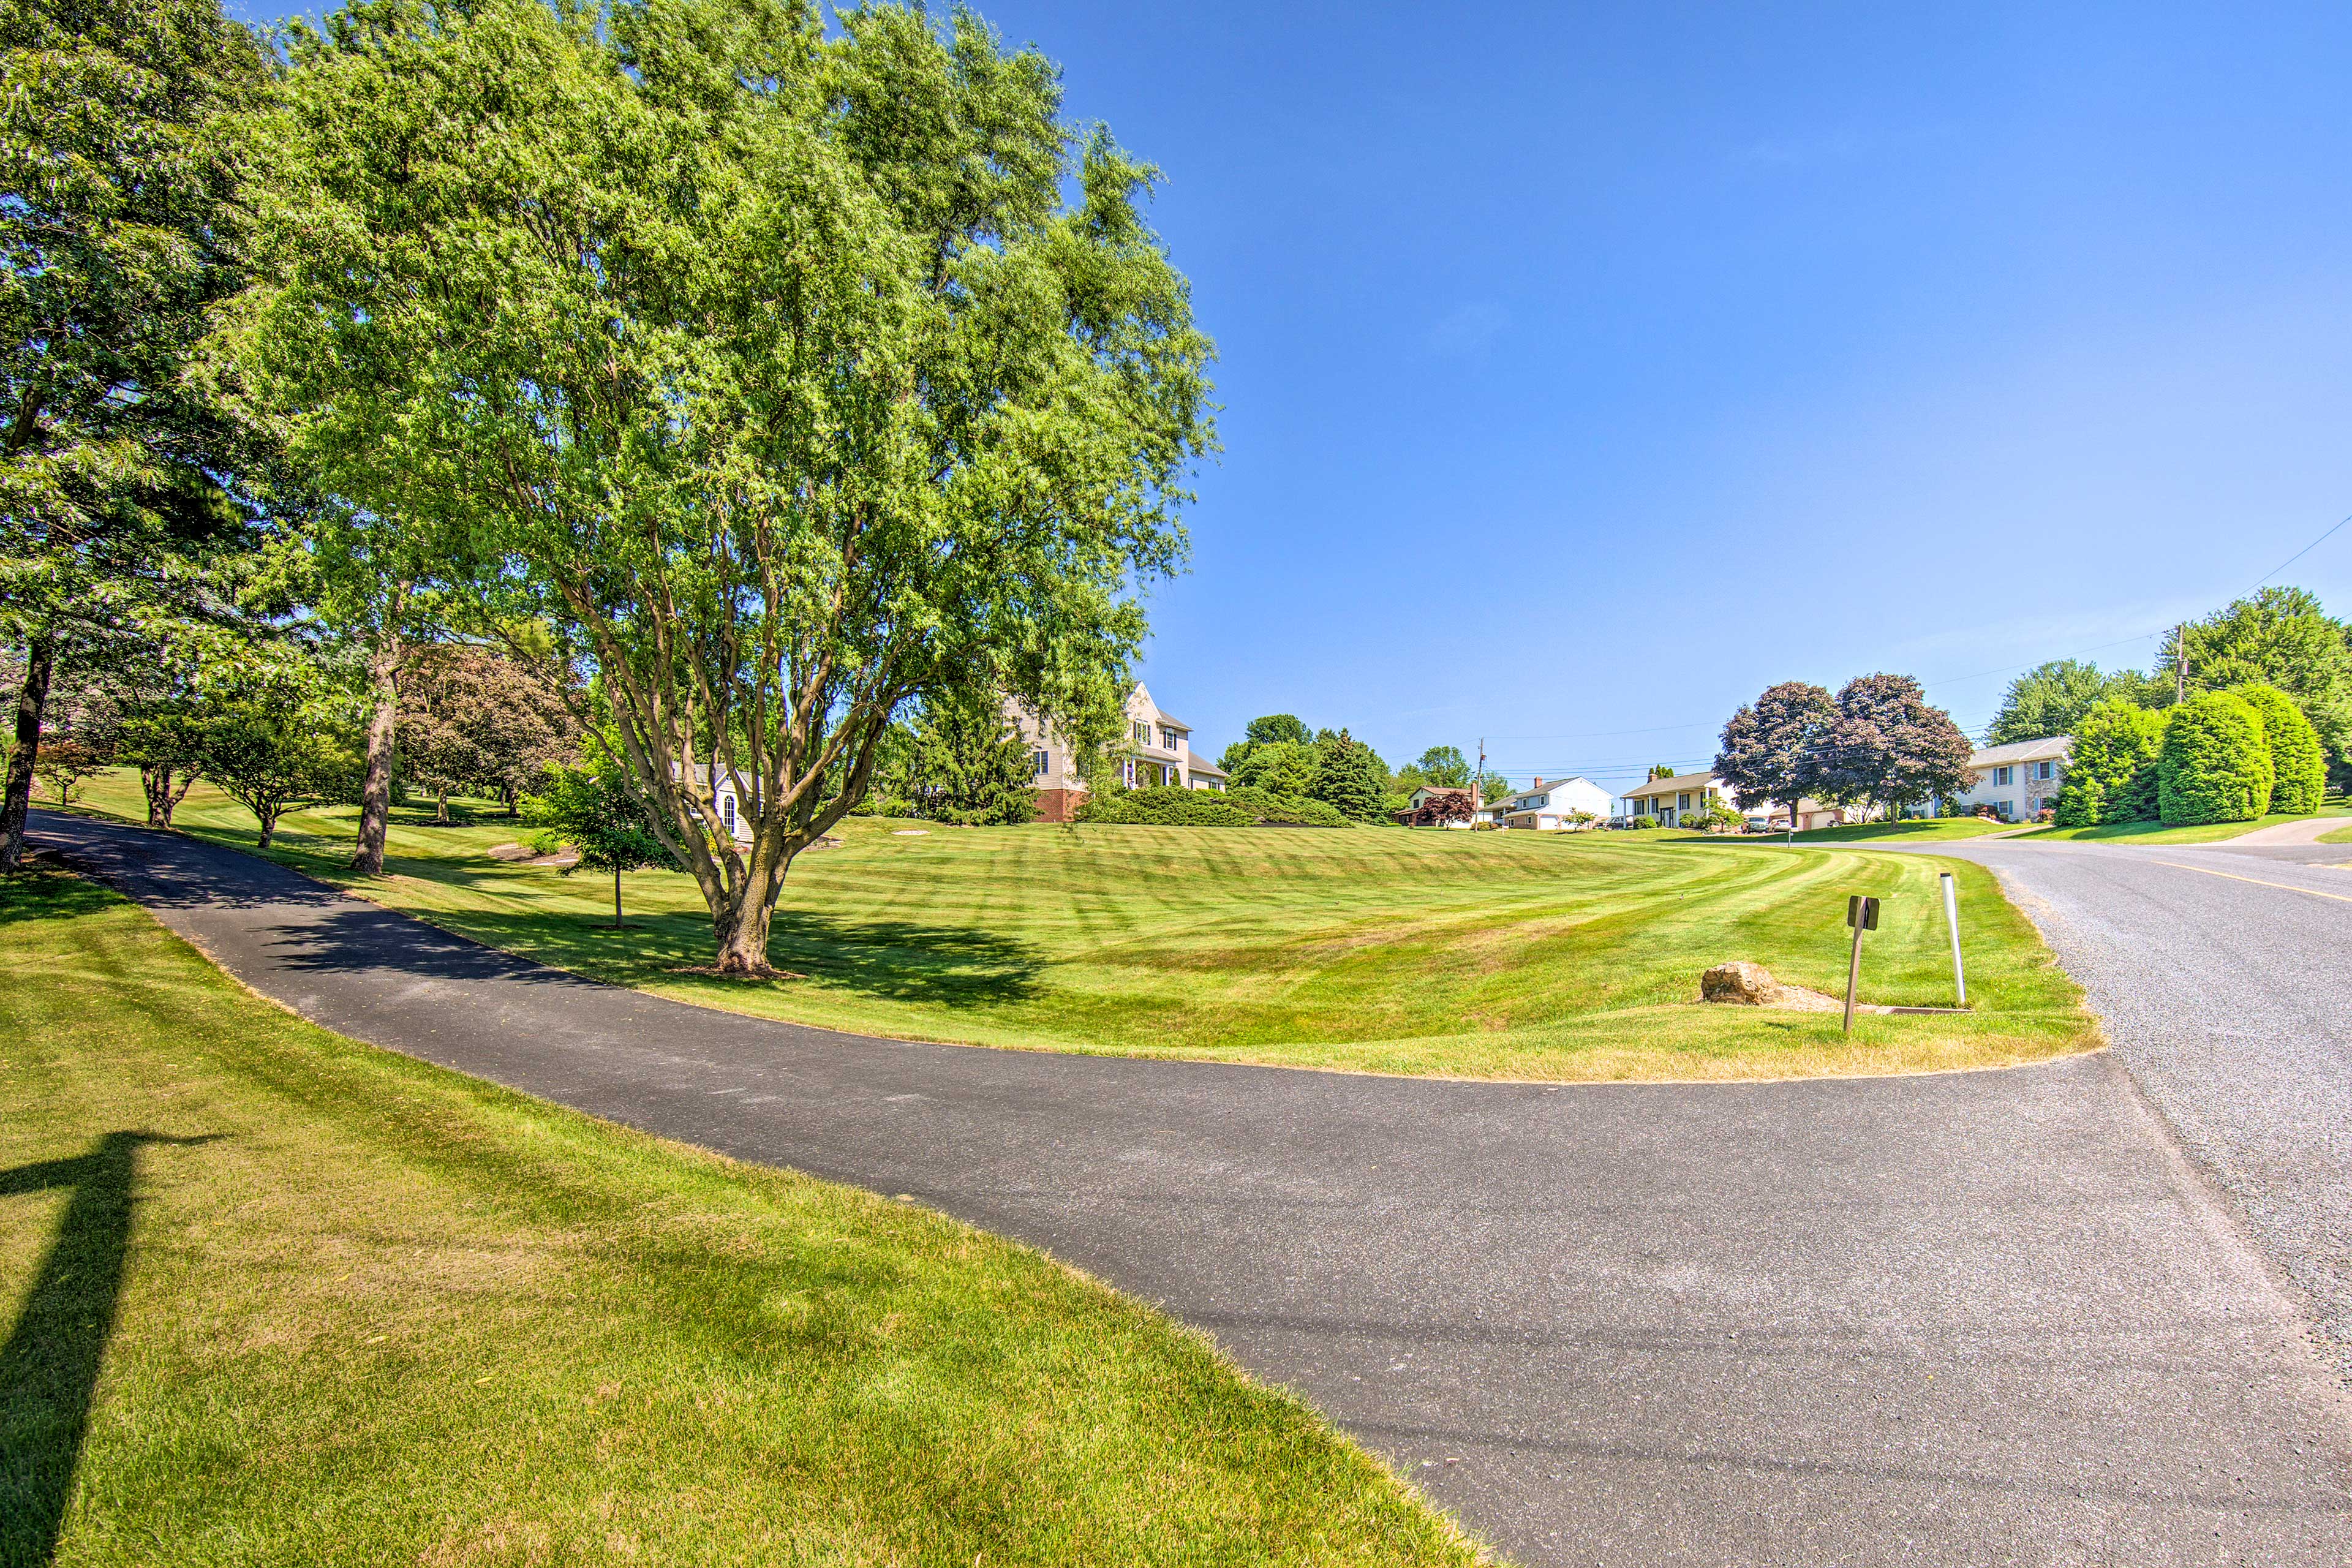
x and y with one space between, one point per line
276 1295
1551 957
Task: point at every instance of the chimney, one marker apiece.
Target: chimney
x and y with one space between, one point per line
1539 784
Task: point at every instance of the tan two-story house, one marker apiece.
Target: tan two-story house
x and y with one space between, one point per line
1156 750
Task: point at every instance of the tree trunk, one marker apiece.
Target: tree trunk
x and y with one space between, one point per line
268 820
617 897
383 732
743 941
40 663
156 778
441 807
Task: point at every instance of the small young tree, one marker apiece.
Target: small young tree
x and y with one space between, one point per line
2298 766
1767 745
970 768
65 762
2111 775
268 732
2216 765
596 815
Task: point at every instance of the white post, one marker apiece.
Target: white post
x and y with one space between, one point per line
1952 919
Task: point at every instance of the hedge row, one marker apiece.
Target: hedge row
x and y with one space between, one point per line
2222 756
1170 806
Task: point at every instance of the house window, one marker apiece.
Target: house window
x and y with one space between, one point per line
2041 770
1681 802
2003 777
1167 737
1142 731
1042 760
727 811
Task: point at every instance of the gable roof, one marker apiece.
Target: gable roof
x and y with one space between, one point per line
2058 747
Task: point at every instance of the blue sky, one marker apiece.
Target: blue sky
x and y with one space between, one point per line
1587 369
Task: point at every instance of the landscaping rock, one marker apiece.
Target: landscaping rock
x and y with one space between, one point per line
1752 985
1741 984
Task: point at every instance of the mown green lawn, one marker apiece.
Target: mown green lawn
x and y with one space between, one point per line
1550 956
319 1303
1918 830
2157 833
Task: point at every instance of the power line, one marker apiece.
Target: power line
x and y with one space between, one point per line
2298 555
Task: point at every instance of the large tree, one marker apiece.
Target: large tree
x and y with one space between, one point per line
2279 637
119 237
1350 777
789 378
1767 745
1888 746
1443 766
2047 700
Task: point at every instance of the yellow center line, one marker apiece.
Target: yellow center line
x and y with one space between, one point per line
2257 882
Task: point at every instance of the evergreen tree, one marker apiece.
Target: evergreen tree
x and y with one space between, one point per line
1350 777
970 768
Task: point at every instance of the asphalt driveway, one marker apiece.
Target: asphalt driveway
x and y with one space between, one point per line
1973 1319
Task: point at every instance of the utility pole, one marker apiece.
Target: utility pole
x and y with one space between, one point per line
1478 779
2181 676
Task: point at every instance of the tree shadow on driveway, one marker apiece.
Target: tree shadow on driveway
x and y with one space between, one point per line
50 1366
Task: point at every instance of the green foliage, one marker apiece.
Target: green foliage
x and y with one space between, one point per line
2280 637
786 402
594 813
1659 771
2112 774
1493 788
2216 764
270 730
1277 730
1350 777
1166 805
969 767
122 478
2299 769
1443 766
2047 700
1283 767
1286 810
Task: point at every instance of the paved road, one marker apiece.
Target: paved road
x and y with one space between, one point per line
2224 974
1985 1318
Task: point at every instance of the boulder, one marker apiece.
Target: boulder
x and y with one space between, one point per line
1741 984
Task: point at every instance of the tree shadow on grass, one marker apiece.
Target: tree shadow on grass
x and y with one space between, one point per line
894 960
50 1366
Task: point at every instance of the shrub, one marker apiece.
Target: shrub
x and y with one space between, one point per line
1286 810
884 806
2297 761
2216 765
1163 805
2111 775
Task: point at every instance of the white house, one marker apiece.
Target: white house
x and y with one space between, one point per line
1667 800
1548 807
2018 779
1156 749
